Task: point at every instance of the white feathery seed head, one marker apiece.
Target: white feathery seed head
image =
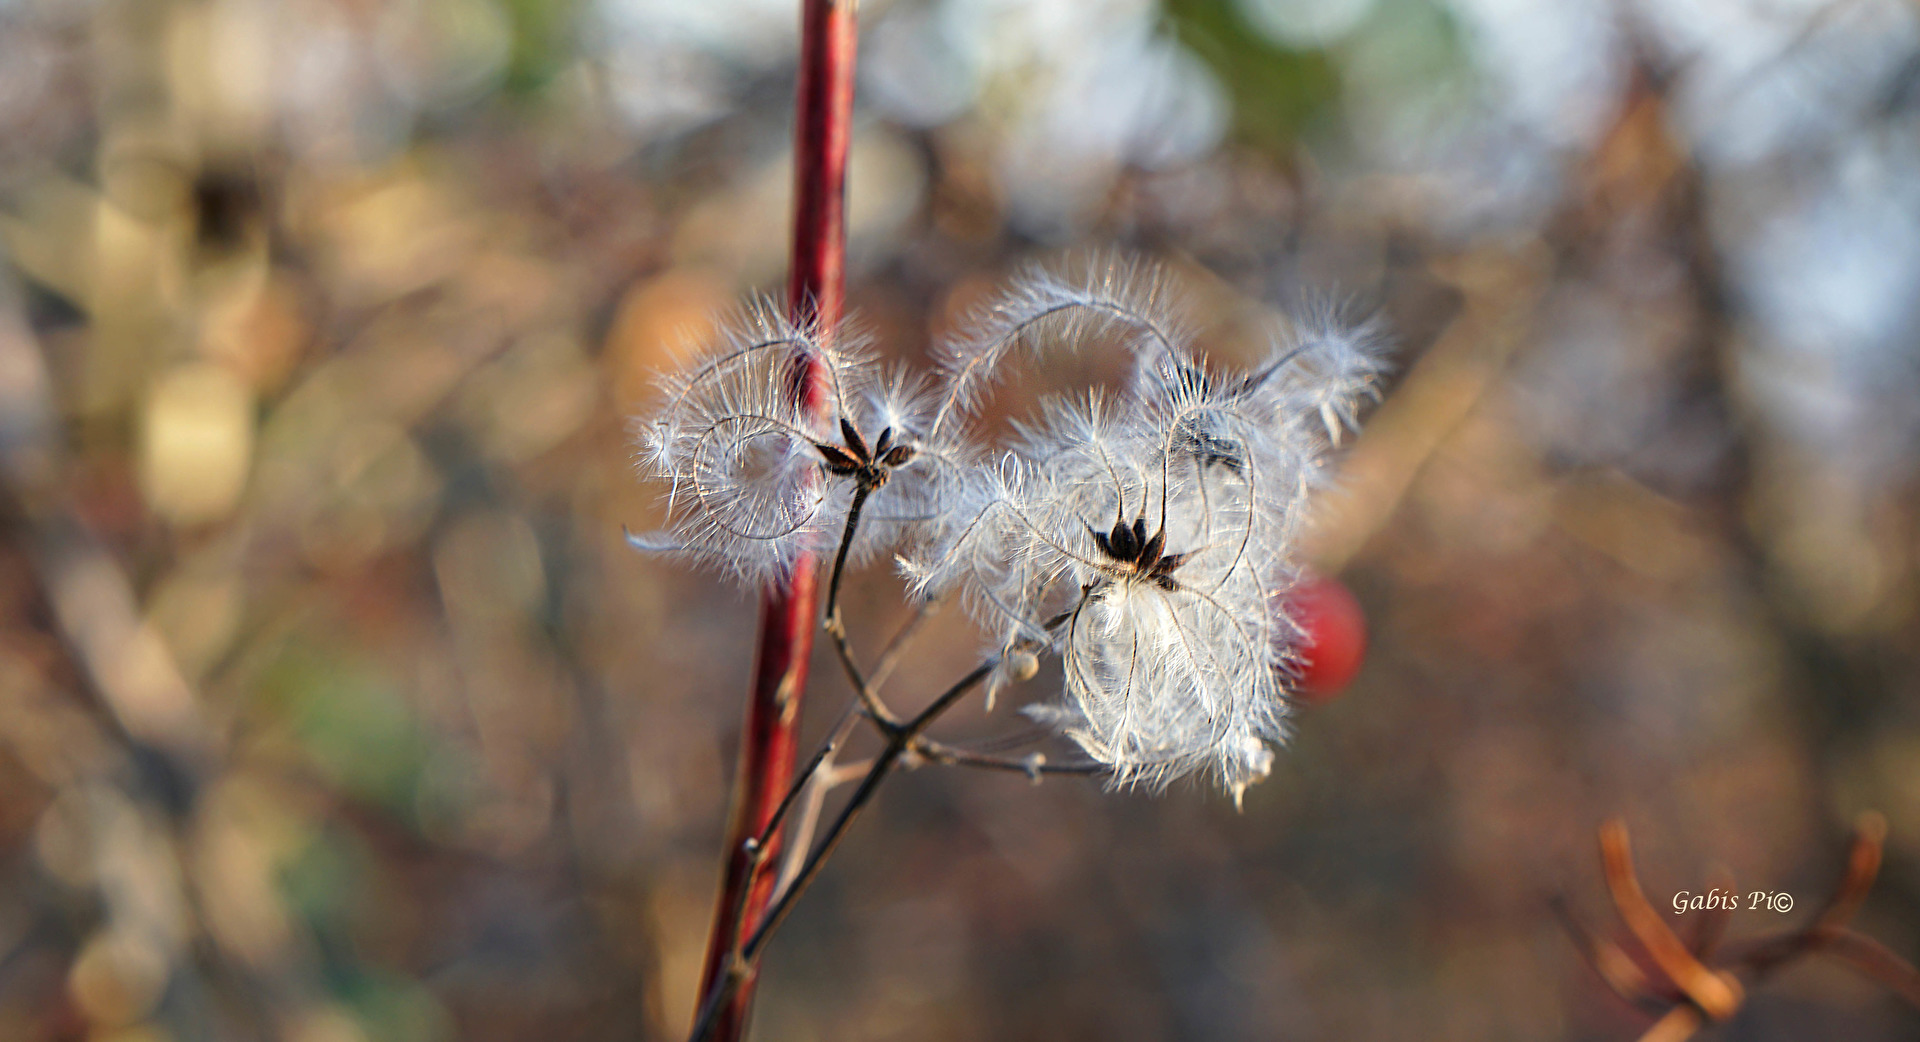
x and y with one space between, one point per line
1146 538
755 478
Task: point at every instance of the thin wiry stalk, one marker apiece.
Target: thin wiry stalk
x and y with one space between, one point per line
830 776
897 645
882 717
868 689
820 758
860 494
1032 765
901 738
741 966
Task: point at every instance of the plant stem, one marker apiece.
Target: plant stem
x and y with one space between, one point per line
816 294
876 710
868 691
860 494
896 747
897 644
738 972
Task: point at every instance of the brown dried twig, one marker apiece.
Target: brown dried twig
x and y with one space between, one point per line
1696 981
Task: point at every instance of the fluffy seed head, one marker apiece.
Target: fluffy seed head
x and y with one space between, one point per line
755 477
1145 538
1148 539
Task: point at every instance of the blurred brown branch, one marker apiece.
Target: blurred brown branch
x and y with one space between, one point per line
1693 989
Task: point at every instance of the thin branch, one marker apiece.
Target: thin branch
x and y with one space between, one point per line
883 717
1872 958
741 966
861 491
1033 765
821 757
830 776
881 765
1717 994
809 820
897 645
1863 867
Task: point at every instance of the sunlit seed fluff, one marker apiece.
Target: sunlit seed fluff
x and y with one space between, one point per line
1047 314
1324 369
755 478
734 443
928 469
1147 540
1169 564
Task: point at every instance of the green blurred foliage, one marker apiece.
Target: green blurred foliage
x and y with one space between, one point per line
1278 93
544 42
353 724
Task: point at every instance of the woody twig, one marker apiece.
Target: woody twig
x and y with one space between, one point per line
1688 984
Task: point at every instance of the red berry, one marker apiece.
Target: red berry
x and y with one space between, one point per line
1335 638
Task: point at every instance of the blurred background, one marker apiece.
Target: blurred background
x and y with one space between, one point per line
333 707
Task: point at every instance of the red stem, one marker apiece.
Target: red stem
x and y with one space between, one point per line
816 294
